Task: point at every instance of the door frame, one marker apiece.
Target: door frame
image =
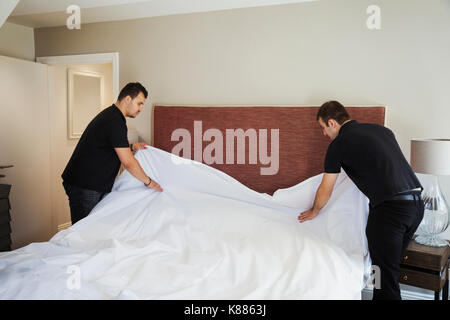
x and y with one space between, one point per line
93 58
96 58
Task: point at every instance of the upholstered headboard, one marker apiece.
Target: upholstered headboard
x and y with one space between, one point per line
209 135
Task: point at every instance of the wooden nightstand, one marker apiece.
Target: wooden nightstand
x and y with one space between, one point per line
5 218
427 268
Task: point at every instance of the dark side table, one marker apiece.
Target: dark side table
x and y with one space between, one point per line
5 218
427 268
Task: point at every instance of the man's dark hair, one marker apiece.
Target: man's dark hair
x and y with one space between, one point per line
132 89
332 110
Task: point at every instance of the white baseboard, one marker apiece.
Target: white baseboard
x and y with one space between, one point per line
64 226
406 295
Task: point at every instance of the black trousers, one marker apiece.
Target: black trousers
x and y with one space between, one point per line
390 227
81 201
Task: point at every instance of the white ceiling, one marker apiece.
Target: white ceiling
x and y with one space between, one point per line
6 6
49 13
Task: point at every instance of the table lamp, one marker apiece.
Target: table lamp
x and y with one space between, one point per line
432 156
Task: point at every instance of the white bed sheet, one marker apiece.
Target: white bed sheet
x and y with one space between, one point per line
206 236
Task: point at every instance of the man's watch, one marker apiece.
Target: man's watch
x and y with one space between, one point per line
147 184
131 147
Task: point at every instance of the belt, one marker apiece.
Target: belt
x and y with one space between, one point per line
414 195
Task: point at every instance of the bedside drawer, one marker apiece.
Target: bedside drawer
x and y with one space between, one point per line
5 217
4 205
426 280
5 248
425 257
423 260
4 190
5 241
5 229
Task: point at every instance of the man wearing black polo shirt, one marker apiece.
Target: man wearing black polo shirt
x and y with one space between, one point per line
373 160
103 146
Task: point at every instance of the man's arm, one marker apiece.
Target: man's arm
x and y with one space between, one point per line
323 194
132 165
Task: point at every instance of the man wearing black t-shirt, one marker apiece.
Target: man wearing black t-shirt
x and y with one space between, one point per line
373 160
103 146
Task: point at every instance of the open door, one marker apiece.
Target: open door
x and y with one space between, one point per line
34 137
25 143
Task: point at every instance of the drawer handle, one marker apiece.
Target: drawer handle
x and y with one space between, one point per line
405 258
405 277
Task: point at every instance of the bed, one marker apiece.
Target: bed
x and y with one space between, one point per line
218 230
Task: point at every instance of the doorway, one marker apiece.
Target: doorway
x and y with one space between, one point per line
79 86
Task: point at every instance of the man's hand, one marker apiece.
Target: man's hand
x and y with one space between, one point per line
323 194
132 166
307 215
155 185
139 145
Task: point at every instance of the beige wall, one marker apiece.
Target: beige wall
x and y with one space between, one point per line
17 41
25 143
62 147
300 54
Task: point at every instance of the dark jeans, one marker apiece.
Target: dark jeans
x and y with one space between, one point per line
81 201
390 227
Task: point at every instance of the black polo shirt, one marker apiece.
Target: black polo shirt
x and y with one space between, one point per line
373 160
94 163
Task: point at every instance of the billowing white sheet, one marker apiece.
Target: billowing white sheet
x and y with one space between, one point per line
205 237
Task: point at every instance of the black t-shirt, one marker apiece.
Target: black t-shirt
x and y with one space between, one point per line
94 163
373 160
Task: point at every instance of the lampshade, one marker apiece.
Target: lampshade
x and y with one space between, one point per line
430 156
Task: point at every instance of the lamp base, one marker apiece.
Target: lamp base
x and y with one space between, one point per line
431 240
